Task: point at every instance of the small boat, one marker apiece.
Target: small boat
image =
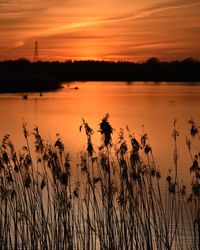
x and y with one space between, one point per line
41 94
76 88
25 97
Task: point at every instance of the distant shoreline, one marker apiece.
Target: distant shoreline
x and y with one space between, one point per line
25 76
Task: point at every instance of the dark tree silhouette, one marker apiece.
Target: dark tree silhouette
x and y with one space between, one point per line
23 75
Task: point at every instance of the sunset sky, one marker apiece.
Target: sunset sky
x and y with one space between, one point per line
131 30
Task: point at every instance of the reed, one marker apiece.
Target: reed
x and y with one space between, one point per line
113 197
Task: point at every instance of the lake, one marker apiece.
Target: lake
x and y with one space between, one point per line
144 107
126 206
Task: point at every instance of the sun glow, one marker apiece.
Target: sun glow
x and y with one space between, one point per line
122 30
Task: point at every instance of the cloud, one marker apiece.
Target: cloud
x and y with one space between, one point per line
19 44
111 24
159 7
172 4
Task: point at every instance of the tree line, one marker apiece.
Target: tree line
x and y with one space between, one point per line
23 73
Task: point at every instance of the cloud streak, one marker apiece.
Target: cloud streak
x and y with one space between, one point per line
104 28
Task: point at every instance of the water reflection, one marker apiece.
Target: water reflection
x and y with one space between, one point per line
133 104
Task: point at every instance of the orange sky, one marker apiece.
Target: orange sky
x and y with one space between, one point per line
132 30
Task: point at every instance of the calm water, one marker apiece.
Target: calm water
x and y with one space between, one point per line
137 104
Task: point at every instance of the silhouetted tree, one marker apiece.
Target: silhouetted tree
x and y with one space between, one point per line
24 75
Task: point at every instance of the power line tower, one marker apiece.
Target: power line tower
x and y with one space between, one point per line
36 53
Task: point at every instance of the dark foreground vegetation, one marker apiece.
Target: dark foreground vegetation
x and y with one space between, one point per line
23 75
111 198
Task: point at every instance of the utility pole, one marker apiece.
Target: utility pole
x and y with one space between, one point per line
36 53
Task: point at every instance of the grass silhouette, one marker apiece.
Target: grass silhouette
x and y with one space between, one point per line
113 198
